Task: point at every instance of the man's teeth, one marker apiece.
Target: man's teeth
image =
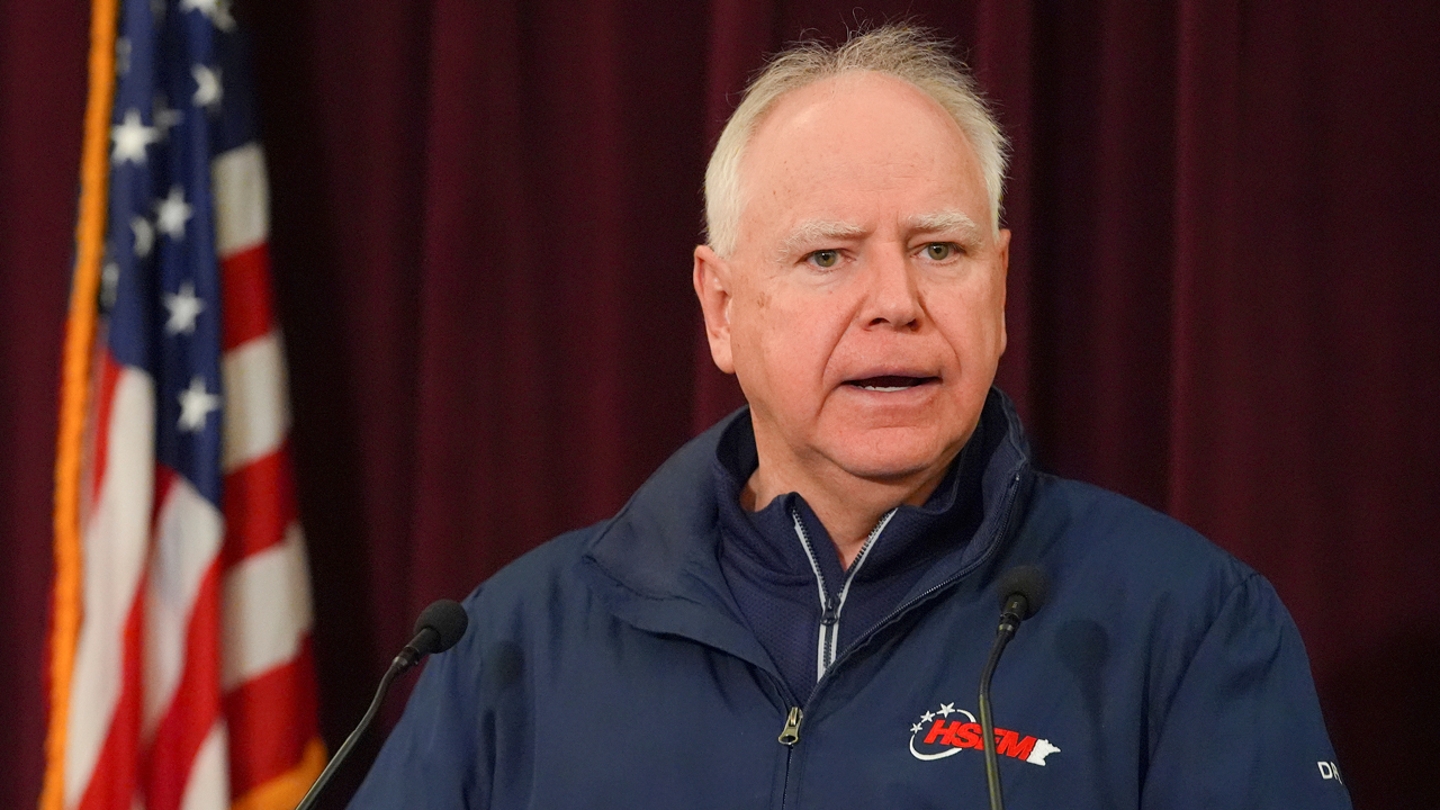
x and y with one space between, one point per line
885 388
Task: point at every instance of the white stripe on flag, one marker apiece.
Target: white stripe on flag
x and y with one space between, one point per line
266 609
242 199
257 410
116 539
187 542
209 784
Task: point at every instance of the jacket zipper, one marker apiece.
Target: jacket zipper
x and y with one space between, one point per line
1003 530
790 734
830 608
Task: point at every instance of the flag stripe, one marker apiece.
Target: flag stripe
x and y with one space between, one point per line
116 541
112 778
246 279
109 378
257 415
185 550
242 199
267 610
209 784
259 505
266 714
193 708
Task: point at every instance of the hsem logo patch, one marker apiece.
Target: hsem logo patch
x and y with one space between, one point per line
937 736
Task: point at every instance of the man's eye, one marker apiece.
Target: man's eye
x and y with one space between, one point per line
825 258
939 251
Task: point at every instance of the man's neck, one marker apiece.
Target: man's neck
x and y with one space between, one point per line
848 507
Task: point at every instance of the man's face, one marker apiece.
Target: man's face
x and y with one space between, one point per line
863 307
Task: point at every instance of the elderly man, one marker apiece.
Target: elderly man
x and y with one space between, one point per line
794 611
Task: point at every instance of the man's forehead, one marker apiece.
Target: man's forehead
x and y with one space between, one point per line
828 150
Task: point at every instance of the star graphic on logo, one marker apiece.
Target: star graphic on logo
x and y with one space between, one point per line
172 213
916 729
184 308
144 236
195 404
131 137
207 86
946 709
927 717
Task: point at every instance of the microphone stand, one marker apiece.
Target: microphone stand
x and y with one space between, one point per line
408 657
1010 617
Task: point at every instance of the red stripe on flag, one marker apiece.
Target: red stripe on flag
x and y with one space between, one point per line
259 504
164 481
108 378
115 778
245 280
196 705
271 719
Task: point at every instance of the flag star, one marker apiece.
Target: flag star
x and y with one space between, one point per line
144 236
131 137
109 284
916 729
122 55
195 404
166 118
207 86
927 717
172 213
946 709
184 307
223 18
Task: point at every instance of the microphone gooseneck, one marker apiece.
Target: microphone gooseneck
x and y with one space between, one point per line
1022 594
439 628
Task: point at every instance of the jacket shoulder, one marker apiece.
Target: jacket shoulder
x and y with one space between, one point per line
1090 526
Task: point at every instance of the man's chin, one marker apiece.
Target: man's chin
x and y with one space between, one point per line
891 468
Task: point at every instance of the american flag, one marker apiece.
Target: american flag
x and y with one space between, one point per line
181 671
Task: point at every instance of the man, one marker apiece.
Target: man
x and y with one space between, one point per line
794 610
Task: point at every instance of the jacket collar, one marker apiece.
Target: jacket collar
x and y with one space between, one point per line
655 563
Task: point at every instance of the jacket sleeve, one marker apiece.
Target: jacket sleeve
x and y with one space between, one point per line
436 757
1242 727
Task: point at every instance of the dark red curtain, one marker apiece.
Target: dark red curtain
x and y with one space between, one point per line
1223 299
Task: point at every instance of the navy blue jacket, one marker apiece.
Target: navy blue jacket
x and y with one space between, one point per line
611 668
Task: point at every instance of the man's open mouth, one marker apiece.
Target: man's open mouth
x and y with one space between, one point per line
890 383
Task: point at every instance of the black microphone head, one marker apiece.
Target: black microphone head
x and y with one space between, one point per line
447 620
1028 581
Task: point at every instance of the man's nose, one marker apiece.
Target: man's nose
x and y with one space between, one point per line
892 293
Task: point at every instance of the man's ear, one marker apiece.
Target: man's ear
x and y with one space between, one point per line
712 287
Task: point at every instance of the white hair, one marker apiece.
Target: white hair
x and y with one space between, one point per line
910 54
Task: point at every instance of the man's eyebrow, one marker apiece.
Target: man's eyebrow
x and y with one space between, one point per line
946 222
810 232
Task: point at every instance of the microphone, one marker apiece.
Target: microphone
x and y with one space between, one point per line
1022 594
439 628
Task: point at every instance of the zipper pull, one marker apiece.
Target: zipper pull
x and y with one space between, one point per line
791 733
831 613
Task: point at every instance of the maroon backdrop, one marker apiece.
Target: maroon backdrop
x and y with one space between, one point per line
1223 301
